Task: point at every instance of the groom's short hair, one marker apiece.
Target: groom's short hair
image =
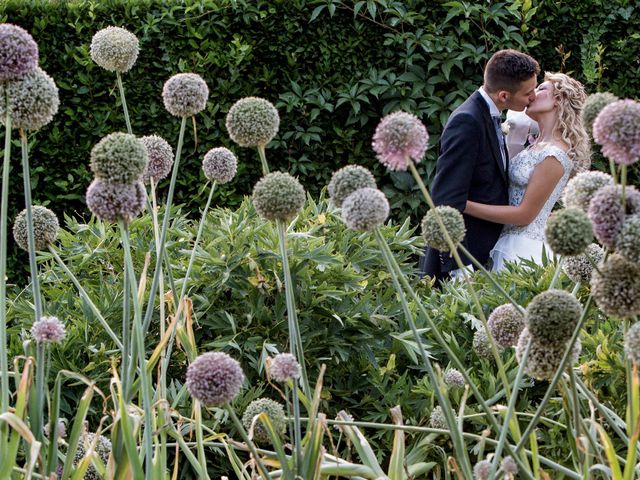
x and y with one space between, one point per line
507 68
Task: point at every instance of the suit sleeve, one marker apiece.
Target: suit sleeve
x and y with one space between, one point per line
459 150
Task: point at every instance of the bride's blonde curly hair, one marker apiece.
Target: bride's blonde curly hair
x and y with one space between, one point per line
571 96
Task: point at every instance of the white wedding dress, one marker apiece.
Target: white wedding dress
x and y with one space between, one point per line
527 242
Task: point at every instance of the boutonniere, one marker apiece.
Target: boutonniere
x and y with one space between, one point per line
504 126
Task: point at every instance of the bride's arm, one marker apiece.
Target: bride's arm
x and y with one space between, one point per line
542 182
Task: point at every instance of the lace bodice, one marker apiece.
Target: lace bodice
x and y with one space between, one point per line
520 170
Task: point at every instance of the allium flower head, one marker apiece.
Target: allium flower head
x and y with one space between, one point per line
102 448
617 129
278 196
214 378
453 378
628 241
481 470
252 122
509 465
365 209
453 222
285 367
593 105
45 228
220 165
437 418
274 411
482 345
116 201
544 357
185 94
606 212
115 49
632 343
568 231
347 180
578 268
160 155
119 158
33 100
616 287
552 316
580 189
18 52
399 138
505 324
48 330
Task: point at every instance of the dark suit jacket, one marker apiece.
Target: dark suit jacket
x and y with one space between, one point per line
469 168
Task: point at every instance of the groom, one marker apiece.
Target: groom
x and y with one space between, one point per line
473 161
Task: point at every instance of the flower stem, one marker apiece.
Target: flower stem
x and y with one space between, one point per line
202 459
124 103
263 160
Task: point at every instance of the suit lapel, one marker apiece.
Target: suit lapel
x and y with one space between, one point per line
491 133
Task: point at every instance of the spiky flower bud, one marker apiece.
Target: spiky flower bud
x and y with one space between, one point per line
285 367
616 287
452 221
220 165
160 155
437 418
119 158
33 100
278 196
482 345
552 316
347 180
365 209
214 378
505 323
593 105
115 49
115 201
580 189
102 448
632 343
607 213
579 267
48 330
453 378
252 122
18 52
544 357
481 470
45 228
568 231
274 411
628 241
399 138
617 129
185 94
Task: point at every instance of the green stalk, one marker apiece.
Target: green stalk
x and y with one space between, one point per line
263 160
124 103
202 458
4 346
556 274
139 341
127 361
252 448
577 417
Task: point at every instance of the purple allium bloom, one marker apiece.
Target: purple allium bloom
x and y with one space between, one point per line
160 156
347 180
61 429
214 378
114 49
509 465
617 129
278 196
552 316
365 209
185 94
116 201
593 105
400 137
45 228
544 357
616 287
578 268
33 100
568 231
580 189
48 330
18 52
119 158
437 418
606 212
481 470
453 222
285 367
220 165
453 378
274 411
505 323
482 345
632 343
252 122
628 241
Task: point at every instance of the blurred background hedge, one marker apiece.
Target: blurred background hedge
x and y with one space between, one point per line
332 68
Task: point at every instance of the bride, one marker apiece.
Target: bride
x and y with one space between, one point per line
538 174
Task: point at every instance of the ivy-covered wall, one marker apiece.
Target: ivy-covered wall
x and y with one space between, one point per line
332 67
